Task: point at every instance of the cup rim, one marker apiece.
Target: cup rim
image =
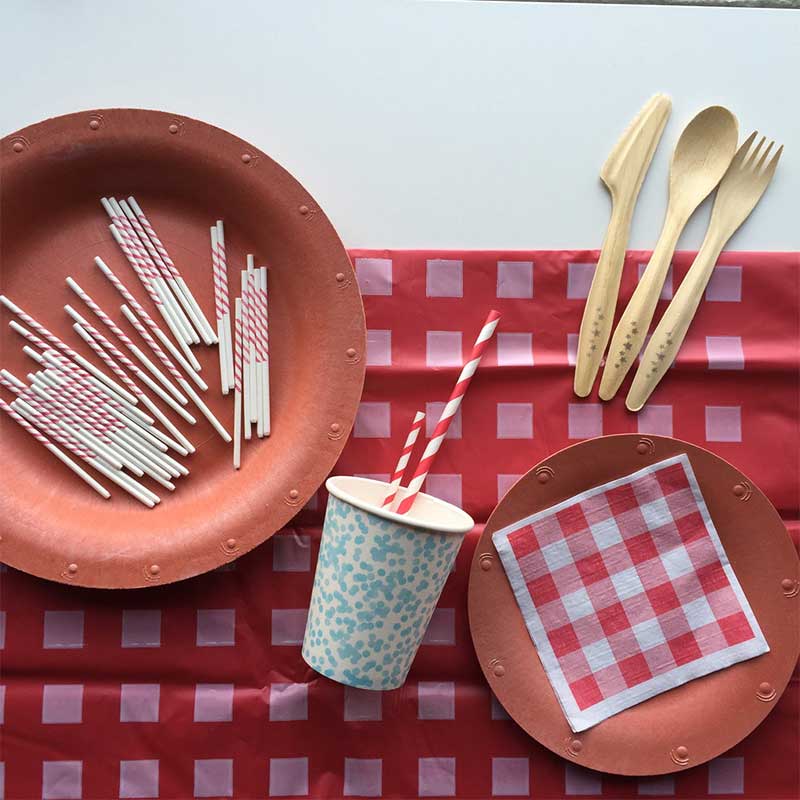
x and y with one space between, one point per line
461 523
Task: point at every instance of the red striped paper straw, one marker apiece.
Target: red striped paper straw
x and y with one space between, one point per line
50 424
182 382
247 374
209 337
167 284
111 348
223 266
151 288
402 462
252 328
237 357
59 345
134 304
264 366
122 337
449 411
182 445
62 457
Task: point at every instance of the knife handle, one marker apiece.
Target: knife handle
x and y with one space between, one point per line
635 321
598 314
671 330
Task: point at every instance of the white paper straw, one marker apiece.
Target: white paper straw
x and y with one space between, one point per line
237 380
88 328
124 434
43 420
72 423
188 301
154 296
252 309
167 281
59 345
92 422
148 320
62 457
77 373
125 339
182 445
247 376
154 346
125 226
182 382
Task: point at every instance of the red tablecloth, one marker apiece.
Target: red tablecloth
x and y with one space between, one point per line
198 689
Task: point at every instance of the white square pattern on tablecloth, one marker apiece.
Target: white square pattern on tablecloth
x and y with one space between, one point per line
627 592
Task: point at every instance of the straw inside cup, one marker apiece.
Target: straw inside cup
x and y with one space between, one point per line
428 513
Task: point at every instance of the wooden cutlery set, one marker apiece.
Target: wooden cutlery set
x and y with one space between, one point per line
705 158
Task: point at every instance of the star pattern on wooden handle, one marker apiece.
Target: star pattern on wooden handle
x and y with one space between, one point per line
598 318
623 354
661 355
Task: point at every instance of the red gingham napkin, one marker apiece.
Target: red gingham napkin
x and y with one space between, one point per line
627 592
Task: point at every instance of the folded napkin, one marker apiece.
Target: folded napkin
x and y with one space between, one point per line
627 592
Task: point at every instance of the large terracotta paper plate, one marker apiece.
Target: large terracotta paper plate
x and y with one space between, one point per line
685 726
185 174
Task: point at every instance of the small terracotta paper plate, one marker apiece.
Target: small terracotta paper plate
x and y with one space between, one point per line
185 174
685 726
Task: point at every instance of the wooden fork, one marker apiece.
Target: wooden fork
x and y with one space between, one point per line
740 190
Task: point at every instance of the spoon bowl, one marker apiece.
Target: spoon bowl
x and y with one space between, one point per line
703 153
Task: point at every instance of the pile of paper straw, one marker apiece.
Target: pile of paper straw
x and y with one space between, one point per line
118 427
71 405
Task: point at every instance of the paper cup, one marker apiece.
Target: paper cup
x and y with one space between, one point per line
379 577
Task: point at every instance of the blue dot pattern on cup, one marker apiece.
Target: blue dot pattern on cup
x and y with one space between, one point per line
376 587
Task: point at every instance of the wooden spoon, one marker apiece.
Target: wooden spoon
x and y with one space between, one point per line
623 174
703 153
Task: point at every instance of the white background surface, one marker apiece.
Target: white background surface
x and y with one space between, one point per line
429 124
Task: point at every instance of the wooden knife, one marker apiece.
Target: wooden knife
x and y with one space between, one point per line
623 174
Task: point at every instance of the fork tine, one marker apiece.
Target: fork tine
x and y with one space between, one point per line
770 168
743 150
762 160
750 160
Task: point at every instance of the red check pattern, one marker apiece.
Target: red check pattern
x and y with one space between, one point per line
198 688
628 585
